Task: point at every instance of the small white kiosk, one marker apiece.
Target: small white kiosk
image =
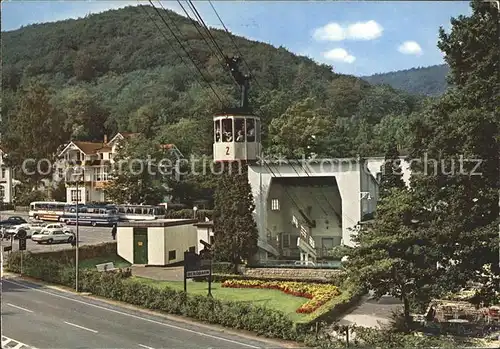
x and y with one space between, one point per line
160 242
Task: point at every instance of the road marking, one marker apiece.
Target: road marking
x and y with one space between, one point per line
83 328
18 307
136 316
13 344
145 346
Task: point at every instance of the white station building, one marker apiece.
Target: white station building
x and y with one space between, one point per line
304 208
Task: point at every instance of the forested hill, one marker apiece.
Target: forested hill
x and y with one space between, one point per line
116 71
430 81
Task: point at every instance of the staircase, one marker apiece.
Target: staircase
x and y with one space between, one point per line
305 242
268 246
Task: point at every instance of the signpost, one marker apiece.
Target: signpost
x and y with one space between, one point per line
22 246
198 265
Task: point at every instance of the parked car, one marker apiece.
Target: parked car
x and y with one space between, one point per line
13 220
57 226
29 228
53 236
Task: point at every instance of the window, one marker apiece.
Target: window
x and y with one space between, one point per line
275 205
192 249
257 130
239 129
2 193
105 174
211 240
227 130
327 243
217 132
76 195
3 173
171 255
250 130
286 240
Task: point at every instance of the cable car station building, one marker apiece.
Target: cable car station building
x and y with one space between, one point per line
304 208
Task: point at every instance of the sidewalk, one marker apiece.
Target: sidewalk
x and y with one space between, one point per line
159 273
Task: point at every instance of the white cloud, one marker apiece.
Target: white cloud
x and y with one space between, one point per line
339 55
410 48
357 31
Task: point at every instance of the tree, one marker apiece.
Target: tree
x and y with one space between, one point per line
85 118
472 51
391 171
393 253
34 134
139 171
235 231
191 137
59 192
457 145
144 121
297 132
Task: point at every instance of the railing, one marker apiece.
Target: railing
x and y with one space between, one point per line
307 238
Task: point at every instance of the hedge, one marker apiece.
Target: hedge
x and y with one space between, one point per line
216 277
188 213
117 286
4 206
84 252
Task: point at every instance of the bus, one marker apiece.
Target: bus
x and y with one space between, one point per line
46 210
140 212
104 215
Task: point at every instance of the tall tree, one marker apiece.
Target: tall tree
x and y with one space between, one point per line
235 231
391 171
393 254
457 145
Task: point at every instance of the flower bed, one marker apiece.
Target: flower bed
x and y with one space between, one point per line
318 294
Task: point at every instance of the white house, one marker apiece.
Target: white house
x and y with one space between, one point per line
6 181
95 160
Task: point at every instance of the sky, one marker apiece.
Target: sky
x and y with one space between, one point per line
355 37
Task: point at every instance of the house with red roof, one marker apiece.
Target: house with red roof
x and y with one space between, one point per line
93 161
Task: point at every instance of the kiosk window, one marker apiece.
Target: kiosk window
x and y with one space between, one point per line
227 130
239 128
171 255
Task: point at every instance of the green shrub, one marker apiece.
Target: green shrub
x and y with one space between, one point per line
188 213
4 206
84 252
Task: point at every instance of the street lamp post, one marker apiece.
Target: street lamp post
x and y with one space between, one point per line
195 209
77 267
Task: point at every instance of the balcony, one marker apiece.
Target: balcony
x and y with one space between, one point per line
98 162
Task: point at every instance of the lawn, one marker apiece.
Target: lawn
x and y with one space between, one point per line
267 298
118 261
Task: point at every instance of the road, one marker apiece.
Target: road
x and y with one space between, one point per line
46 318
